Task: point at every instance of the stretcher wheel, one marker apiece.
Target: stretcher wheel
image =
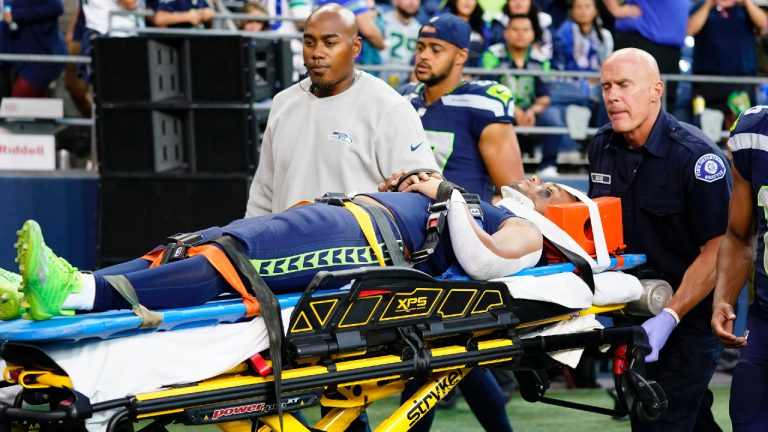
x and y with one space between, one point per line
644 415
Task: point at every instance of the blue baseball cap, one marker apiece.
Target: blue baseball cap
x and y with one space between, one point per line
448 27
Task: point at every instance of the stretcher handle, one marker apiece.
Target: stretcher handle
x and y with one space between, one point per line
634 335
323 278
9 413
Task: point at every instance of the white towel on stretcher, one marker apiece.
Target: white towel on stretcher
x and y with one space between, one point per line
113 368
571 291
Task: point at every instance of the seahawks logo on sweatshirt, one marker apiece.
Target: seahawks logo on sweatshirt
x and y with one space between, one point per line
341 136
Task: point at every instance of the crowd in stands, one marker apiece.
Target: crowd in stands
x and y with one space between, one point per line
540 35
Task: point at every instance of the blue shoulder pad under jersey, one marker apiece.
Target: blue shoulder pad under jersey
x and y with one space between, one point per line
485 99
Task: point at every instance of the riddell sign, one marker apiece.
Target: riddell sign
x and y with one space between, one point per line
27 152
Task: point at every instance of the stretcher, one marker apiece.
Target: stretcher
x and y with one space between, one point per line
344 349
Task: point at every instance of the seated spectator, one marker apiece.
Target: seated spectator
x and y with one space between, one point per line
541 49
76 86
581 44
183 13
370 54
532 97
401 30
293 9
254 8
32 28
471 12
725 33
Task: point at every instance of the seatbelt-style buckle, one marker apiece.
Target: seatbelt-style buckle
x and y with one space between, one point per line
333 198
439 207
420 255
473 203
177 246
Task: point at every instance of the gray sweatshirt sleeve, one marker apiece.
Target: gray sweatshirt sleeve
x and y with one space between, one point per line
401 142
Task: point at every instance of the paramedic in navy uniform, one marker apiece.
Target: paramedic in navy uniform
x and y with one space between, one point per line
468 124
748 210
674 184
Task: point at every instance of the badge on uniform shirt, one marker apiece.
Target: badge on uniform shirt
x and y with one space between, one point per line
709 168
600 178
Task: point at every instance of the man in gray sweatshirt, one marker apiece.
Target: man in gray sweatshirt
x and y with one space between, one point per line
337 130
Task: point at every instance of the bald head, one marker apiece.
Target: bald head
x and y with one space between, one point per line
331 45
645 62
338 12
632 90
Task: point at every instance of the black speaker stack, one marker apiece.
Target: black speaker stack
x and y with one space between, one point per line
178 133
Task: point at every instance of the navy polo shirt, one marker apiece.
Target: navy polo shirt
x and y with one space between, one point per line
674 193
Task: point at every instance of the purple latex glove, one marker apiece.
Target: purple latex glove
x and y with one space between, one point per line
658 328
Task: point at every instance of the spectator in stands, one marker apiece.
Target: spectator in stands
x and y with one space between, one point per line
100 21
541 49
532 97
471 12
401 30
299 9
581 44
183 13
76 86
365 18
254 8
370 54
33 28
655 26
725 32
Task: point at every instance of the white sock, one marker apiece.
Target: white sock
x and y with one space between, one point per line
84 299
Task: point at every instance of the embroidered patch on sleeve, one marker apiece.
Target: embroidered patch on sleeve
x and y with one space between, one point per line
709 168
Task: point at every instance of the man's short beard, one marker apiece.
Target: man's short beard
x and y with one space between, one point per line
405 13
436 79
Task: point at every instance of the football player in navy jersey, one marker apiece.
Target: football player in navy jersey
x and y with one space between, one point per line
468 124
747 215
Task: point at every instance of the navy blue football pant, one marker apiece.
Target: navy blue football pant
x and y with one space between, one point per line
287 250
189 282
685 366
749 387
483 394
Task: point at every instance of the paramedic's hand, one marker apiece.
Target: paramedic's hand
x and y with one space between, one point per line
723 317
658 328
427 188
391 181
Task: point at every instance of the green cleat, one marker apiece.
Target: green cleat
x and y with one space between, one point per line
47 279
10 307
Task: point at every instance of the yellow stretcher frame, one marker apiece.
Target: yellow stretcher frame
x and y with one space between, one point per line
357 395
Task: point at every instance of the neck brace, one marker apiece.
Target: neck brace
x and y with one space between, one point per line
516 196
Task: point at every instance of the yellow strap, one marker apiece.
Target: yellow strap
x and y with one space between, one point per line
364 220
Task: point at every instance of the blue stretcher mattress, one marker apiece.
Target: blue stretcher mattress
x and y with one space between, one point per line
113 324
